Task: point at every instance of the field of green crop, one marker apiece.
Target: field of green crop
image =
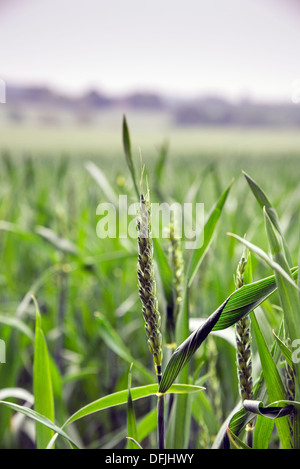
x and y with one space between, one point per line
71 321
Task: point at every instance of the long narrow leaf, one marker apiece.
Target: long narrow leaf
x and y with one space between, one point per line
259 252
264 202
120 398
42 384
284 350
114 341
239 303
131 422
262 432
206 237
247 298
128 155
17 324
40 419
237 443
186 350
273 382
102 182
288 296
290 303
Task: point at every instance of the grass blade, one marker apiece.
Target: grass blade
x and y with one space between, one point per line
245 299
134 443
239 303
209 230
237 443
18 393
120 398
290 302
288 295
102 182
114 341
263 200
62 244
40 419
17 324
128 155
186 350
284 350
260 253
262 432
131 422
273 382
42 384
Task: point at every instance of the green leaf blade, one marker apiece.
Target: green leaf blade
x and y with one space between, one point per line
121 397
128 155
132 434
186 350
42 384
40 419
273 381
209 230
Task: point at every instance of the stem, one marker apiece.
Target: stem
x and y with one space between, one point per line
249 433
296 429
160 418
296 420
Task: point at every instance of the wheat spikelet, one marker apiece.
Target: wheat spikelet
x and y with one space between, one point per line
147 287
243 341
244 353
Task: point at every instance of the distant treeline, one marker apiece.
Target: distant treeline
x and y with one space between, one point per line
206 111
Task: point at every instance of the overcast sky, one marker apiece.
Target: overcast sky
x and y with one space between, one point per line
189 47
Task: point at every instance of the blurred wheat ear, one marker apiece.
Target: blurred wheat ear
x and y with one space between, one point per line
177 264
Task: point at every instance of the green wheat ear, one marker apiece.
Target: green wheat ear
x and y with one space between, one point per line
147 286
243 341
244 352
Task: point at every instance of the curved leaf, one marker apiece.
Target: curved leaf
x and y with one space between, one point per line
186 350
17 324
38 418
259 252
18 393
120 397
247 298
270 411
102 181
